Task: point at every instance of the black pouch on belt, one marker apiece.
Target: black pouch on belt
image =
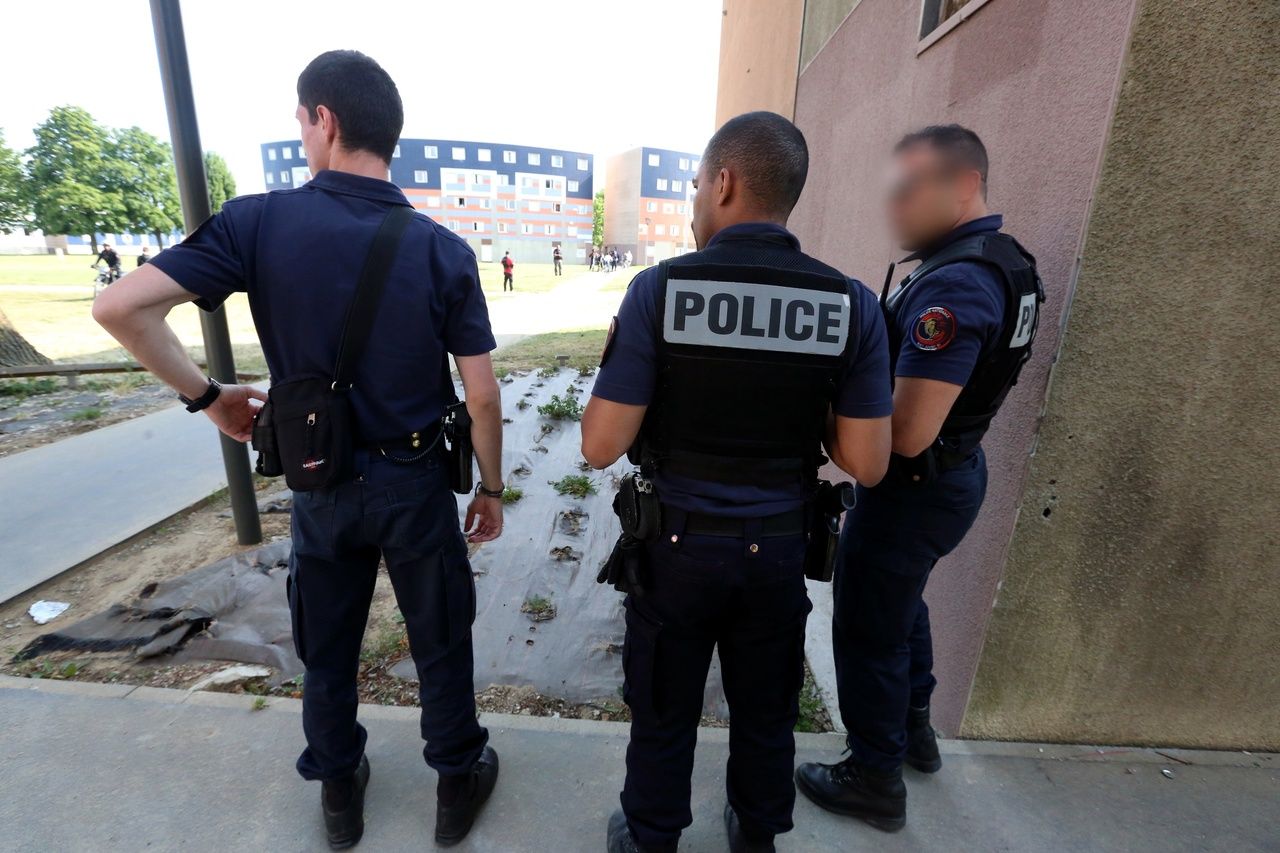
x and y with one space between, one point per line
824 510
640 513
264 441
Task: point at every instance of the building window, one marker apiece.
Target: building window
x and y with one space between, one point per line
286 153
662 185
433 201
455 225
684 164
551 184
284 176
675 230
396 153
680 208
660 230
571 231
583 164
484 155
510 204
431 152
477 226
459 153
271 179
937 13
502 228
643 228
550 230
485 204
459 202
573 186
557 207
693 167
655 160
526 228
271 153
535 159
651 207
677 186
668 207
534 207
508 156
420 176
557 162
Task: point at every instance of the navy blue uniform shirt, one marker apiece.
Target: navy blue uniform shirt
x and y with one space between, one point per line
298 253
630 377
952 317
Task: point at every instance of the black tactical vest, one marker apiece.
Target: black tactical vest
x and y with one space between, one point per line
995 374
752 343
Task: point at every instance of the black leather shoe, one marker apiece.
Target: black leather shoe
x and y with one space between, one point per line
922 742
880 799
738 841
454 821
342 801
620 839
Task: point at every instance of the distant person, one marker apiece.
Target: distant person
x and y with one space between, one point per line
626 259
111 258
557 258
300 256
508 280
144 256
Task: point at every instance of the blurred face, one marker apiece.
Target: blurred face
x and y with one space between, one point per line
317 137
926 196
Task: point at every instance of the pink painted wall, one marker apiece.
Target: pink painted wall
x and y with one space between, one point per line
1036 79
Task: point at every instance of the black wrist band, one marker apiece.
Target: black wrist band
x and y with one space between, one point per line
489 493
205 400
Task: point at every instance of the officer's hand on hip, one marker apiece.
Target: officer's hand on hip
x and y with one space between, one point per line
235 408
484 519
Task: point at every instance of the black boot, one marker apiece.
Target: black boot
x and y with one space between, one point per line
620 839
738 841
342 801
879 798
455 818
922 742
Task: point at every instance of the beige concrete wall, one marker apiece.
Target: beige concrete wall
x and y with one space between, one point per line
1141 599
759 57
821 19
622 200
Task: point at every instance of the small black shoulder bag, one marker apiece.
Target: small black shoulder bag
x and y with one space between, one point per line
307 430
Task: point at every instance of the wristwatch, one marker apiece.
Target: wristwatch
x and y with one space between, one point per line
489 493
205 400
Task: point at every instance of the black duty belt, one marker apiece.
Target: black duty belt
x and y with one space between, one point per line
409 448
783 524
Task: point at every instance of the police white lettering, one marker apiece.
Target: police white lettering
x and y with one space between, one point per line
1026 322
765 317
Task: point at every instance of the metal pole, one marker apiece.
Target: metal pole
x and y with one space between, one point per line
188 158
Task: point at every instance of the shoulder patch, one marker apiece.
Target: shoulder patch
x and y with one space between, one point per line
934 329
608 341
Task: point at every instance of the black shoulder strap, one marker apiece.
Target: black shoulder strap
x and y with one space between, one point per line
364 305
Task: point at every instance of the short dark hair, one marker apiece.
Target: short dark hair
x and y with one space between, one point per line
361 94
958 144
767 152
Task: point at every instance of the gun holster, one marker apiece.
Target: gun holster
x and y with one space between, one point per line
640 513
829 501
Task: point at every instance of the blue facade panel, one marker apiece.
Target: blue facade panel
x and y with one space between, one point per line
675 168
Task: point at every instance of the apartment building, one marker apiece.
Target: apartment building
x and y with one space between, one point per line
648 203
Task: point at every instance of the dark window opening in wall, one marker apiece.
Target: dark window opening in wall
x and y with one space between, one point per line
936 13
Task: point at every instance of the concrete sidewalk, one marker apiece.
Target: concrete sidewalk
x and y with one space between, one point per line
110 767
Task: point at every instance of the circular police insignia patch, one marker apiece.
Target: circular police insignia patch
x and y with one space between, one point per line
608 341
934 329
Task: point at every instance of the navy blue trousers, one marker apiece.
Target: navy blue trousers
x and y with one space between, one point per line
705 592
407 516
883 646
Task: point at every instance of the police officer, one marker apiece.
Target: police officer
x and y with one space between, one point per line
298 253
960 329
728 368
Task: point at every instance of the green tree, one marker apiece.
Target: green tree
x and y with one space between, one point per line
222 187
70 172
14 206
141 173
597 220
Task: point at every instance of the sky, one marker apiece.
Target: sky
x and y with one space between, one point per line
599 76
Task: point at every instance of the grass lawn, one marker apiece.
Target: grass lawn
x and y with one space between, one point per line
582 346
621 280
51 269
529 278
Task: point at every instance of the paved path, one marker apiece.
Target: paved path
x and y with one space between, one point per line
108 767
65 502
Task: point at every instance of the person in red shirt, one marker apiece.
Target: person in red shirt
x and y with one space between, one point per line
508 283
